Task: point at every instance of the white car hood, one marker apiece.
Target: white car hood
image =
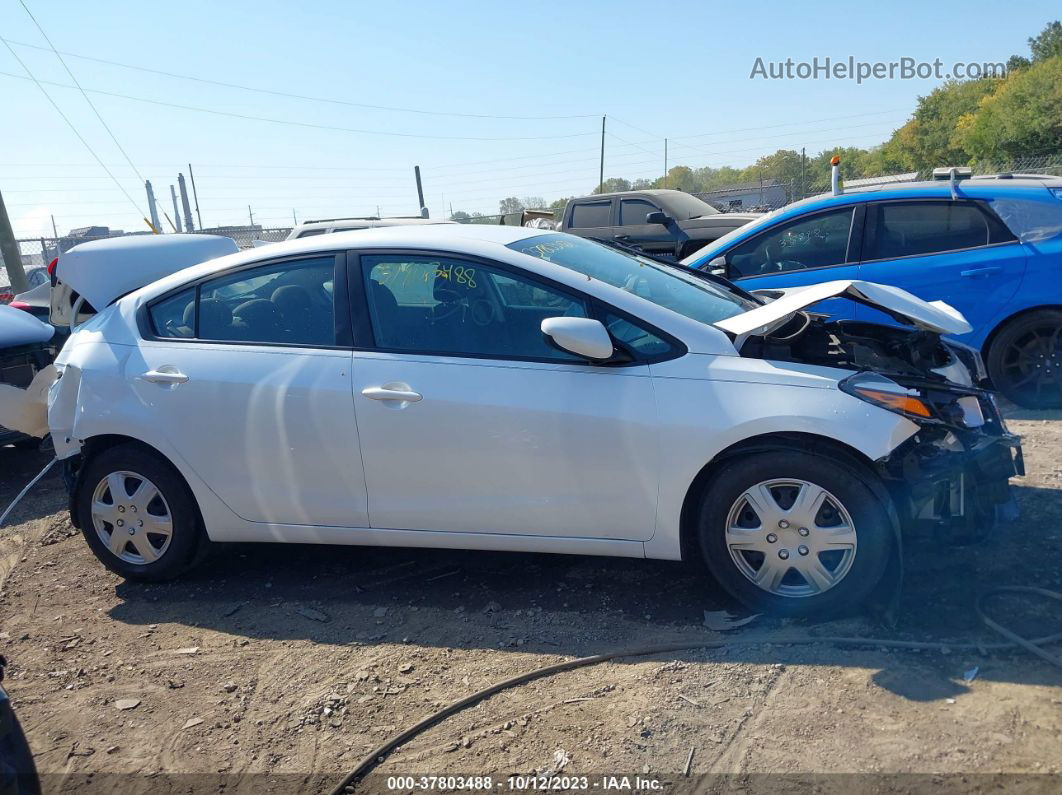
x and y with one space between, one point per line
104 270
18 327
903 306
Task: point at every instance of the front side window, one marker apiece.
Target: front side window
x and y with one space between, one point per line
280 303
633 211
593 214
905 229
672 287
818 241
441 305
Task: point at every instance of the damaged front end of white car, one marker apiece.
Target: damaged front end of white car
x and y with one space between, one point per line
951 478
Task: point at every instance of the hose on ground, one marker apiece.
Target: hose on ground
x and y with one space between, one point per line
1014 640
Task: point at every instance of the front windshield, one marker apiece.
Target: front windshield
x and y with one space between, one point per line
687 206
668 286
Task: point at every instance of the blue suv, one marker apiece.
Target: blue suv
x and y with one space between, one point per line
989 246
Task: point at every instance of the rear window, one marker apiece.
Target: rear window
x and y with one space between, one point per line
591 214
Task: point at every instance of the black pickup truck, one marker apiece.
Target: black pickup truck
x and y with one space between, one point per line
666 223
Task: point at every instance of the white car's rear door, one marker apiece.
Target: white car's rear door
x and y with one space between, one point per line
255 394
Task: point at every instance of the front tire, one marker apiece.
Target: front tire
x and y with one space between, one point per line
1024 361
137 514
795 534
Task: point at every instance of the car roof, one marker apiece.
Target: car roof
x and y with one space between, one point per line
481 239
646 192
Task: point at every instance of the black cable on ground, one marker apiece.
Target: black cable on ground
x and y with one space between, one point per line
1033 645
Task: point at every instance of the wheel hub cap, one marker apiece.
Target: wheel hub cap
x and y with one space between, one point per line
791 537
145 536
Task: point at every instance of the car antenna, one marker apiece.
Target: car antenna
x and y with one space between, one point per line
835 175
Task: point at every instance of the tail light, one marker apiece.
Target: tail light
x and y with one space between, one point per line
21 305
51 270
6 297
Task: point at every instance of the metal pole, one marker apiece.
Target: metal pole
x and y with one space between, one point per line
16 276
176 212
294 220
184 203
54 230
195 196
420 194
152 209
250 214
802 158
601 172
665 162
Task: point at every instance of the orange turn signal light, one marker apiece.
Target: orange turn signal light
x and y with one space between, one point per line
905 404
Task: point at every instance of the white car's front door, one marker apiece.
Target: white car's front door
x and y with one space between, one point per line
254 394
471 422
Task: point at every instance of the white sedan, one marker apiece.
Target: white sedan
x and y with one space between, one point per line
503 388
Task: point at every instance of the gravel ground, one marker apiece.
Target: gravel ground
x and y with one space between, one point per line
295 662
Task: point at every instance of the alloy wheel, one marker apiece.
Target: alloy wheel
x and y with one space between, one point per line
131 517
1032 363
791 537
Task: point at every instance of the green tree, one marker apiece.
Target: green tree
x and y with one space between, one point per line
510 204
613 185
1024 117
461 216
1048 44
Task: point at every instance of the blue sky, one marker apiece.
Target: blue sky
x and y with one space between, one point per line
677 69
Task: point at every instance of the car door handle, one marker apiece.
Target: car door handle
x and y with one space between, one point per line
981 271
165 375
387 392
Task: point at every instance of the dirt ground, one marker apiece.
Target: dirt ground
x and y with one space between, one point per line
296 661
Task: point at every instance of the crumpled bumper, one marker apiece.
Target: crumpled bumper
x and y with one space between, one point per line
954 485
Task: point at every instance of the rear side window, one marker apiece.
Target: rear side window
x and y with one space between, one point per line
591 214
633 211
906 229
287 303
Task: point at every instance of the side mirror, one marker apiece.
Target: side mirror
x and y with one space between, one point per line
657 217
717 266
582 336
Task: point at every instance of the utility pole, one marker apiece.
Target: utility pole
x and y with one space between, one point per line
55 231
152 209
195 195
250 214
420 194
601 172
16 276
184 202
176 213
802 160
665 162
294 220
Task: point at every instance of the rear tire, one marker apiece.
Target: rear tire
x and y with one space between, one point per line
138 515
1024 360
794 534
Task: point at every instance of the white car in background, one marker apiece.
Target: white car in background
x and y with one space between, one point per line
330 225
502 388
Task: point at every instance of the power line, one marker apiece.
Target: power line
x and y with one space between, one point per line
70 124
293 123
106 126
310 98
